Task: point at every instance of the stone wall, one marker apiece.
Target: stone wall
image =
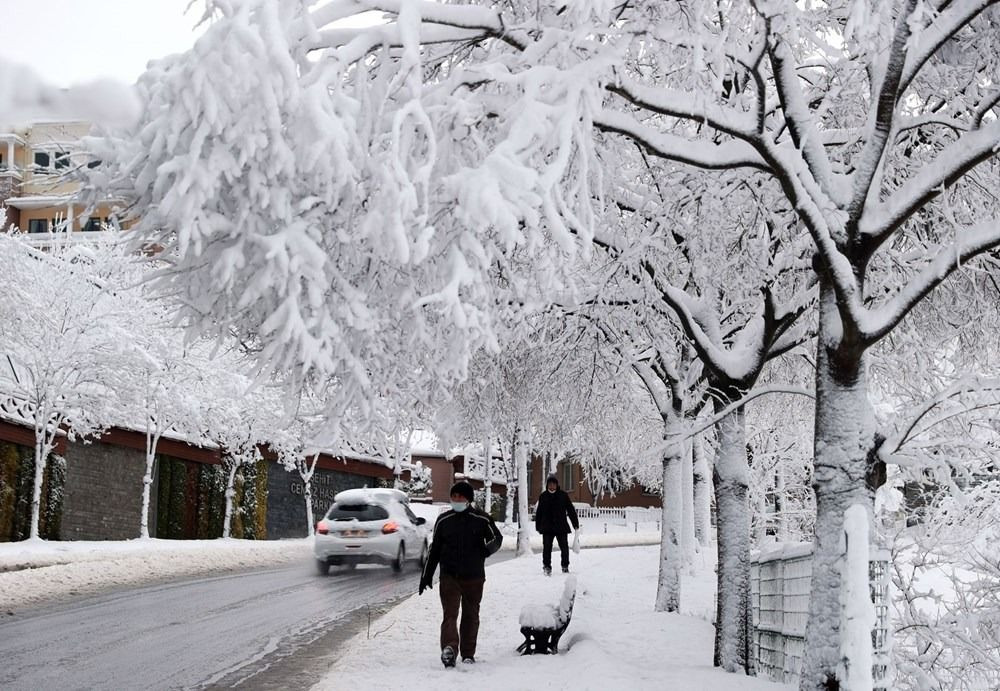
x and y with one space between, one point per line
103 495
286 511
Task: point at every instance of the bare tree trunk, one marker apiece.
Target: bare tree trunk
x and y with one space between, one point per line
306 471
41 456
668 587
732 640
511 488
687 518
230 494
843 438
487 476
521 451
152 441
702 494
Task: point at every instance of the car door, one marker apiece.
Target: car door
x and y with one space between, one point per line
414 532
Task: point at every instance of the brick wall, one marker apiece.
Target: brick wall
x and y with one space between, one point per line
103 496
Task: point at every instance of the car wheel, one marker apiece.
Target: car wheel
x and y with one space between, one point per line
397 565
322 567
423 555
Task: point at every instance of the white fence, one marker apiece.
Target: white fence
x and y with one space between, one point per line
779 601
619 517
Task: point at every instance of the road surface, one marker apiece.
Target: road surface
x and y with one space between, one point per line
277 628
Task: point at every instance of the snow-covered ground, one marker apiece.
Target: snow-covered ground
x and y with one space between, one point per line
614 641
36 571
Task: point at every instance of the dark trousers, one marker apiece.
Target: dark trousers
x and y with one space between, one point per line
547 550
467 594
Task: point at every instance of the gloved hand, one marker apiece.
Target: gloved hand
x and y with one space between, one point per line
424 584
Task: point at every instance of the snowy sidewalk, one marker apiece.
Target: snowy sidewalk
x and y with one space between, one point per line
614 641
32 572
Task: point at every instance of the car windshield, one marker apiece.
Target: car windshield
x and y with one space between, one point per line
362 512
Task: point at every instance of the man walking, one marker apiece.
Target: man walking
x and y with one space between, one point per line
554 507
463 538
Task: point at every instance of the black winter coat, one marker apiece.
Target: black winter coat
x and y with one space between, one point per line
552 511
462 541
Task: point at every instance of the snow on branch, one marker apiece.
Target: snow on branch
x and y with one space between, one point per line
880 220
706 154
973 241
948 23
805 135
685 105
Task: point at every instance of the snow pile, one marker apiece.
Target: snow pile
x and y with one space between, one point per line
614 640
52 570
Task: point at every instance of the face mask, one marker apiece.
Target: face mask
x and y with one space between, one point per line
552 490
459 506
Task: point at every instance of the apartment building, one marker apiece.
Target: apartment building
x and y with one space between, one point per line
35 192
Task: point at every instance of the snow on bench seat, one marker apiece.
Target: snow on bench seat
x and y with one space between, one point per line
543 625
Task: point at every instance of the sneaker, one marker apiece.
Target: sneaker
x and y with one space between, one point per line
547 570
448 656
469 660
565 569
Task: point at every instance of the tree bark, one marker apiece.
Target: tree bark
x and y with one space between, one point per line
230 493
521 450
732 640
702 494
41 456
668 587
487 477
152 441
687 518
844 433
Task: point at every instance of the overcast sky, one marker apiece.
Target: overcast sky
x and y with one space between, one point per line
72 41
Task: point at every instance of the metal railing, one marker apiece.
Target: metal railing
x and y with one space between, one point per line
779 600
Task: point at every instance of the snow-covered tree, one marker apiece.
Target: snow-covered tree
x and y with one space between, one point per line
875 124
64 333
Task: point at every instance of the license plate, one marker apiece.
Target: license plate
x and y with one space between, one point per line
353 533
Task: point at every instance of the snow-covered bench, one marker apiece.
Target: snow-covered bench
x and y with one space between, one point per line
543 625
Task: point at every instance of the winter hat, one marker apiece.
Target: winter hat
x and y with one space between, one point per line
552 478
464 489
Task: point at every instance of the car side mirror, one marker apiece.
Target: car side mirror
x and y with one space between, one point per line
421 520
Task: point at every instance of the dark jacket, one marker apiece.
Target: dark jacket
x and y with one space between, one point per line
552 511
461 543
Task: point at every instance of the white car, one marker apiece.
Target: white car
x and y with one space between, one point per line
370 526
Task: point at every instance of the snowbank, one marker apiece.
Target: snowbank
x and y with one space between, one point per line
614 640
35 571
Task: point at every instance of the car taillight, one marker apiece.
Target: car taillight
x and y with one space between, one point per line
322 528
389 527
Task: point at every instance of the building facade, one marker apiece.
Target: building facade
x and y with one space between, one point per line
36 191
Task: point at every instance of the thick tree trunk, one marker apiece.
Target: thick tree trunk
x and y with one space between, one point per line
702 494
523 518
844 433
668 588
687 518
732 640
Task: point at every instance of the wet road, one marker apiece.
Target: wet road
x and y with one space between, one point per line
269 629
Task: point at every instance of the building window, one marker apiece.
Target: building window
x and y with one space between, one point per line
38 225
567 477
62 160
42 160
94 223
